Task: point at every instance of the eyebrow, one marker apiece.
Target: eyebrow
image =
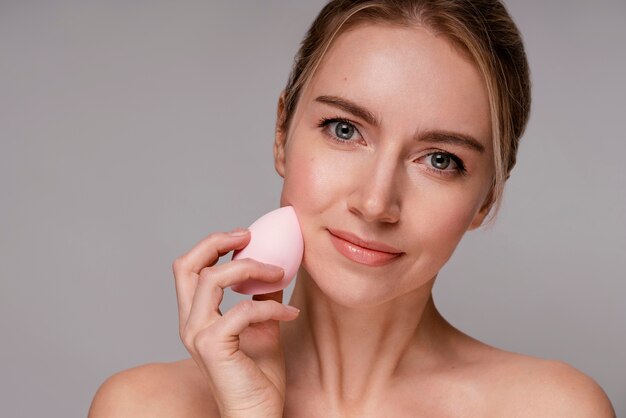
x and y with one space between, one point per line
350 107
453 138
434 136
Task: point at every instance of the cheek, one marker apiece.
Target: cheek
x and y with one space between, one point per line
302 184
311 181
443 219
457 210
452 219
307 186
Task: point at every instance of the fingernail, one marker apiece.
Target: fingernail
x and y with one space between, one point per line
292 308
237 232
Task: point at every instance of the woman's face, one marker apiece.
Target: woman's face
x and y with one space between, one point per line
398 171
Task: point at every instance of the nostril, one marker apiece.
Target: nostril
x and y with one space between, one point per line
375 211
376 196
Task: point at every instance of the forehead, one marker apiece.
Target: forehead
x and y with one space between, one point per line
406 76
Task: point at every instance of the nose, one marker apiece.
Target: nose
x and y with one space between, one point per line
376 196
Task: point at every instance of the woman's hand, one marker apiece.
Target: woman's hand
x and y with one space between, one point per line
238 352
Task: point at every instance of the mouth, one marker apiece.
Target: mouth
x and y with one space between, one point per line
371 253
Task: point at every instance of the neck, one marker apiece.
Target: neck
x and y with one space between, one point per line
353 354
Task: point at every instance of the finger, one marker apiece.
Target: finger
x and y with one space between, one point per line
210 291
207 252
250 312
186 268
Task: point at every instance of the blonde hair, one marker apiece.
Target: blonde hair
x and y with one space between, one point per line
482 29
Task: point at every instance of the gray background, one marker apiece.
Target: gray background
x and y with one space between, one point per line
130 130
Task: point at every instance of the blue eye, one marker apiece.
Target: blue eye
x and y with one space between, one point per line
343 129
440 160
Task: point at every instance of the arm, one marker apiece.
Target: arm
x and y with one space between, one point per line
577 395
114 398
125 394
152 390
555 389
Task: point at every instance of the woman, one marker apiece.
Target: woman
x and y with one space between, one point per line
395 134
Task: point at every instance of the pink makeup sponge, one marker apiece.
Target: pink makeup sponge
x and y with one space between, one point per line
276 239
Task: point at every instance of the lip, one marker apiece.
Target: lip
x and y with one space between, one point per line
370 253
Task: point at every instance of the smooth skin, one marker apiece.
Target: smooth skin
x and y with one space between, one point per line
368 341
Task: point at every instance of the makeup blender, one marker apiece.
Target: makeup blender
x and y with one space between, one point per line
276 239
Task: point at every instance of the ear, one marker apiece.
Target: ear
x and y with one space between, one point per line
280 137
484 210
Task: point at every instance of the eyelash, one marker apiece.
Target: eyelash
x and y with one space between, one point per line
459 170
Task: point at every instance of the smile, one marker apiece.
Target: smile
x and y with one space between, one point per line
359 253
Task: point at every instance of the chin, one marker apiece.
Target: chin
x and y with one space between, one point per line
347 287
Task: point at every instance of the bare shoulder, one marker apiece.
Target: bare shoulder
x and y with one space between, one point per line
534 387
174 389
